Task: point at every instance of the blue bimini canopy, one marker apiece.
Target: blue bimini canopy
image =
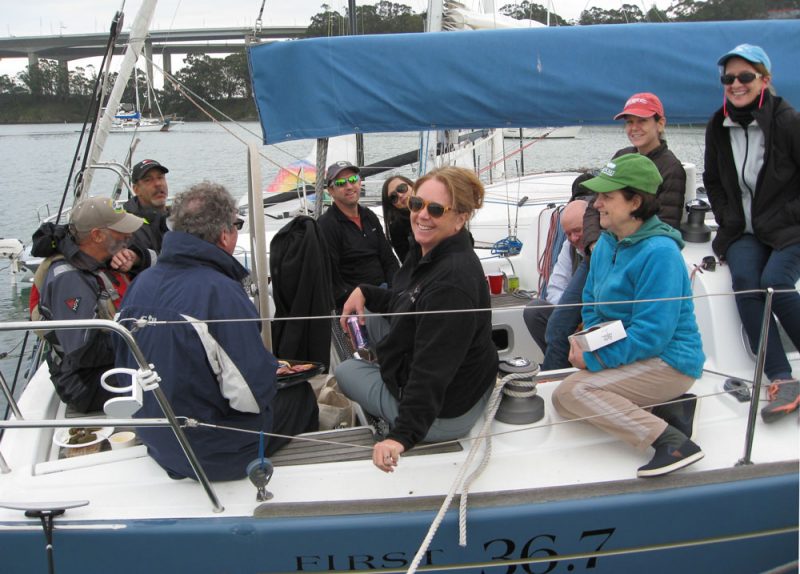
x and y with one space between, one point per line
537 77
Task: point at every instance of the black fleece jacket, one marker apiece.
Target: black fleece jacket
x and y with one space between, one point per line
776 201
357 255
436 365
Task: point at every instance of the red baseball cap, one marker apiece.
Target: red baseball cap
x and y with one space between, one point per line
644 105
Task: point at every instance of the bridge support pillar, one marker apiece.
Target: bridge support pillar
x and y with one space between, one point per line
148 53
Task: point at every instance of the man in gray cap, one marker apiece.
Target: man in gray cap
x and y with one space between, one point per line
78 282
150 203
358 248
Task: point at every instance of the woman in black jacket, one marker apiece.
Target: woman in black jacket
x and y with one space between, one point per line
435 369
396 217
752 177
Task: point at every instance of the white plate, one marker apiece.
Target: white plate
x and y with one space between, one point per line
61 437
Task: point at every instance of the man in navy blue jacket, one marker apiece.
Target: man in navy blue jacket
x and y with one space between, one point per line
212 362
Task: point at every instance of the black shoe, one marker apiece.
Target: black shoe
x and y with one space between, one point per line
668 459
679 414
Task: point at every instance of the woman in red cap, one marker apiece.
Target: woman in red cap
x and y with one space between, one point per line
752 177
644 126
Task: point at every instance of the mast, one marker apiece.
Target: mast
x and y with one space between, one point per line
139 30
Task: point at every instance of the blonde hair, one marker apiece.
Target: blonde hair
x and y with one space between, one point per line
465 189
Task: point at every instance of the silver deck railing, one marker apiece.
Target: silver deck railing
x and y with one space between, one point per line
170 421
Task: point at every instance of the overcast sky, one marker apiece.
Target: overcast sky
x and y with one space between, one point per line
53 17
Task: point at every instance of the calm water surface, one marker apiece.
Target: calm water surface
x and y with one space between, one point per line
37 158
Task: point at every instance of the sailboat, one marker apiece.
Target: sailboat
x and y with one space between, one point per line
129 117
539 495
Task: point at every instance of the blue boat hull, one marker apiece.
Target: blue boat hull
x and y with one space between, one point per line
741 526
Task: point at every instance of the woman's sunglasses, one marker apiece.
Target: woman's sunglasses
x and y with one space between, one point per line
743 77
345 180
436 210
394 196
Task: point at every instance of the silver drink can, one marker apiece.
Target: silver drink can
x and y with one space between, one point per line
357 333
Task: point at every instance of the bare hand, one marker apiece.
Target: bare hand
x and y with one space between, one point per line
123 260
355 305
576 355
386 454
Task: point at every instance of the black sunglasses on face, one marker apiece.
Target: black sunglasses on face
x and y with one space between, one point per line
238 223
435 210
743 77
394 195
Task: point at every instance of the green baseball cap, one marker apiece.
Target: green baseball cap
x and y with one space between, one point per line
630 170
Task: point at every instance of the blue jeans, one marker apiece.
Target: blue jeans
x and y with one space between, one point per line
564 321
754 265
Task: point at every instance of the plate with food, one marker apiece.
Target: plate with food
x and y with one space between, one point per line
78 437
293 372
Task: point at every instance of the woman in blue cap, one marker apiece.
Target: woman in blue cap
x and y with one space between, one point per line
637 267
752 176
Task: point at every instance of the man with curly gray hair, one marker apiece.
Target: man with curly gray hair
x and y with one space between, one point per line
210 356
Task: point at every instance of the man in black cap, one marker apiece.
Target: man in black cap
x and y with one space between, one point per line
150 203
358 248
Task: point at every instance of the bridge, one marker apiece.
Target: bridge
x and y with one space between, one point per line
65 48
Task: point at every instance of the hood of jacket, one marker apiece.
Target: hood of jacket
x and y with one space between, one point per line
650 228
184 249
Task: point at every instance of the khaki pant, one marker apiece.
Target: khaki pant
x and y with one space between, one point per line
619 392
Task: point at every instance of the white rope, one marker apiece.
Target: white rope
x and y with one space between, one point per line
460 483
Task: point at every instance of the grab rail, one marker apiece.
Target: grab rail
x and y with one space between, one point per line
163 402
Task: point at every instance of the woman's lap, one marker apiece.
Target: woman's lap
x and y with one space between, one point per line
610 396
361 382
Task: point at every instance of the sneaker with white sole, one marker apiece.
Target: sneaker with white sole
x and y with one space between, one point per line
669 459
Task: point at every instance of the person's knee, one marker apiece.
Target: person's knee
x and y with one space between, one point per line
777 278
745 279
346 373
564 396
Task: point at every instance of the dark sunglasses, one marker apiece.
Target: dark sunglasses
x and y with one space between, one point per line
341 182
436 210
394 196
238 223
743 77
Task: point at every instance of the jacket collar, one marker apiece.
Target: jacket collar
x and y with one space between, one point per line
183 248
453 244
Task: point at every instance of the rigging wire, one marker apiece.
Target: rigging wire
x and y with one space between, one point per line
93 109
192 97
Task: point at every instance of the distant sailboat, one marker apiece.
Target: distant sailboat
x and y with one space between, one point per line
129 118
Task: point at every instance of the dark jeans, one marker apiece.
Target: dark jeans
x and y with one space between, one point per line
536 315
564 321
755 265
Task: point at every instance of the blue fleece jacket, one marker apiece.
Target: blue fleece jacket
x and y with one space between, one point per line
645 265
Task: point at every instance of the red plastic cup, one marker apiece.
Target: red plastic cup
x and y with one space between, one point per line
496 283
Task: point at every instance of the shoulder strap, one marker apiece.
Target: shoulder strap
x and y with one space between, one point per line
38 284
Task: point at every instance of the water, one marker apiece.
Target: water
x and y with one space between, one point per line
37 160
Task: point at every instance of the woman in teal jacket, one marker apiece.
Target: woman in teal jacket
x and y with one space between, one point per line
637 261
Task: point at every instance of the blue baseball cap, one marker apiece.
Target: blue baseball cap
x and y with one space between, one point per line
749 52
